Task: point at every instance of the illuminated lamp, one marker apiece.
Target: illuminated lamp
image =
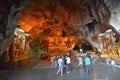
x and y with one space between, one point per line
109 30
81 50
26 34
15 33
21 30
100 34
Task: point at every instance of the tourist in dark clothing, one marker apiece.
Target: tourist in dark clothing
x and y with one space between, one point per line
65 60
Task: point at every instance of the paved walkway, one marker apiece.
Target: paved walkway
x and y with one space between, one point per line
47 64
100 71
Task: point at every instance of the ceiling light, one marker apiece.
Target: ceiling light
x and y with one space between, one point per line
21 30
100 34
109 30
26 34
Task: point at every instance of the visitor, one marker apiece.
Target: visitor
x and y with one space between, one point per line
60 66
80 60
68 62
52 60
88 64
65 60
55 62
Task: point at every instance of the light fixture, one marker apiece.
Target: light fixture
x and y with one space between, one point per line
109 30
101 34
26 34
21 30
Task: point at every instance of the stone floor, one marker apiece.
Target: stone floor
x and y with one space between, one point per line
100 71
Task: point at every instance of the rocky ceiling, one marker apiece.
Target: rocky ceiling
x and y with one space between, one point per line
81 18
114 6
84 19
65 14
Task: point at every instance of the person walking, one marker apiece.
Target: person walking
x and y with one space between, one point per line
80 60
65 60
88 63
68 62
52 60
55 62
60 66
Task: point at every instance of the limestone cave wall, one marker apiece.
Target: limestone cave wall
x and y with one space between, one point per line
9 15
81 18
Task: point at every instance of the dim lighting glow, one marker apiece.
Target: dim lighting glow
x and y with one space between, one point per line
26 34
109 30
21 30
100 34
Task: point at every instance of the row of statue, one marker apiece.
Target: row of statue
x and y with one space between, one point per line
111 49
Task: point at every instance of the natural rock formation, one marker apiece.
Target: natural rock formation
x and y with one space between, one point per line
9 15
82 18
